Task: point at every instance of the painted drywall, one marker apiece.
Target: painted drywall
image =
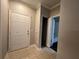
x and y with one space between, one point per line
45 12
37 26
4 26
68 46
22 8
0 34
55 11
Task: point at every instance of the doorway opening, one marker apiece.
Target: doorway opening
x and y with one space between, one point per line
54 33
44 32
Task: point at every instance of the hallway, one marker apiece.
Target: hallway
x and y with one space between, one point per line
21 29
31 52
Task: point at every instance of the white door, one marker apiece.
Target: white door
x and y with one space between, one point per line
19 31
49 32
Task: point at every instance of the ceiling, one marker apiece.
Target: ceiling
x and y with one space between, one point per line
46 3
33 3
50 4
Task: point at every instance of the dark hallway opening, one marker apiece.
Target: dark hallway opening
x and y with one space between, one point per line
44 32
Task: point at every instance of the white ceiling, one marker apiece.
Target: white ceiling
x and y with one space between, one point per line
46 3
50 3
33 3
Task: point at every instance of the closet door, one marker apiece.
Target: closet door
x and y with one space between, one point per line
19 31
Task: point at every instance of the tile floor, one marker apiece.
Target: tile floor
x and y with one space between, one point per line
31 52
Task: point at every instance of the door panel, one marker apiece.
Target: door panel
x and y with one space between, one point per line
19 31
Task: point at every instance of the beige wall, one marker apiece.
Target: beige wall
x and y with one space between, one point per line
24 9
4 26
45 12
55 11
37 26
69 30
0 34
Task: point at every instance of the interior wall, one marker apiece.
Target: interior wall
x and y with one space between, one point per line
69 30
37 26
0 34
20 7
55 11
3 27
45 12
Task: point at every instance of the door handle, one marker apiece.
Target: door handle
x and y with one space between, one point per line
28 32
